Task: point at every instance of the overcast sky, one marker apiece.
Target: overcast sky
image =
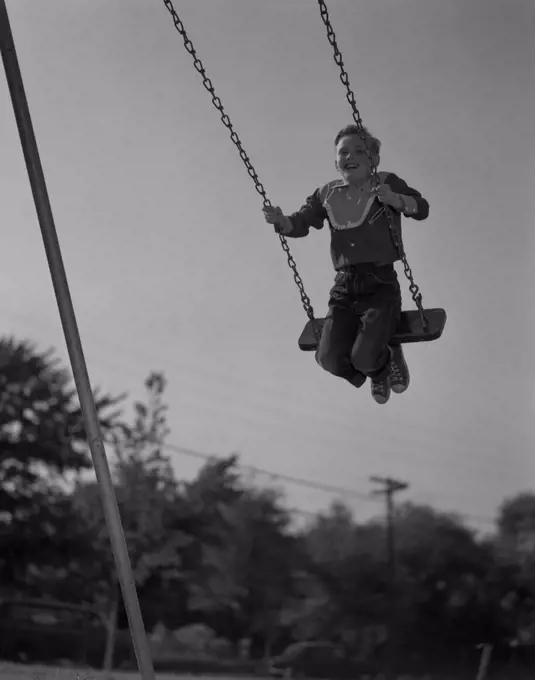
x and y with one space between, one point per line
172 267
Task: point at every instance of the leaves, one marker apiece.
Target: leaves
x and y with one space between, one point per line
217 549
38 406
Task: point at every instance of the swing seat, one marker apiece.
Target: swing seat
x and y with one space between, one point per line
409 329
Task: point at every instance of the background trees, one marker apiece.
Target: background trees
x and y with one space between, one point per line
219 551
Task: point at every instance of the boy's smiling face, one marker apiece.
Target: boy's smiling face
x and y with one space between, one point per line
351 159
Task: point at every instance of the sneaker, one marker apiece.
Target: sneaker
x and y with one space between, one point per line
381 390
399 371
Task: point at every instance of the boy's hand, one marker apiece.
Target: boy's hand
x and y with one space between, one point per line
274 215
385 194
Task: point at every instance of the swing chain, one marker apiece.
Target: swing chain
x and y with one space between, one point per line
413 287
237 142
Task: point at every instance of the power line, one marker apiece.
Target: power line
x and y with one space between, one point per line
122 348
307 483
297 481
274 475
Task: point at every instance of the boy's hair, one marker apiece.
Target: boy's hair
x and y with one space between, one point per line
371 142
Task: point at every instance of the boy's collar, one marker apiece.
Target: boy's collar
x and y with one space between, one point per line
345 183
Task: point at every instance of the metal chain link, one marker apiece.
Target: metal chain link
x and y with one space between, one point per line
245 158
413 287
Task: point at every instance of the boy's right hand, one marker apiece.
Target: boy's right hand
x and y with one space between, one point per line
274 215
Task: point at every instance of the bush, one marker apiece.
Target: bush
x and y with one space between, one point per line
197 665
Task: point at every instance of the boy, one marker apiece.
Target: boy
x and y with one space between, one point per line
365 301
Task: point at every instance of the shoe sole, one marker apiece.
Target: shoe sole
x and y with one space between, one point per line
399 389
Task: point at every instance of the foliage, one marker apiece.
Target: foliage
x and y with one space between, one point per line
42 444
218 552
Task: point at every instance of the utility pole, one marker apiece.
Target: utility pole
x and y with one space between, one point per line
389 488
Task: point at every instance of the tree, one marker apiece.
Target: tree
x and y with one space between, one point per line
149 504
346 589
447 587
42 445
246 568
449 594
516 523
215 563
515 548
271 558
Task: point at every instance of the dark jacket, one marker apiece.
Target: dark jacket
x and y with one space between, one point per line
357 220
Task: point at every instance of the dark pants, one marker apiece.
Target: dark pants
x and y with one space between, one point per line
364 311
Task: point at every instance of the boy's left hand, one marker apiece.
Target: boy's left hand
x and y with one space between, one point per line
385 194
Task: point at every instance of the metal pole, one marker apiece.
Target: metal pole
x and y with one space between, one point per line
74 345
484 662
